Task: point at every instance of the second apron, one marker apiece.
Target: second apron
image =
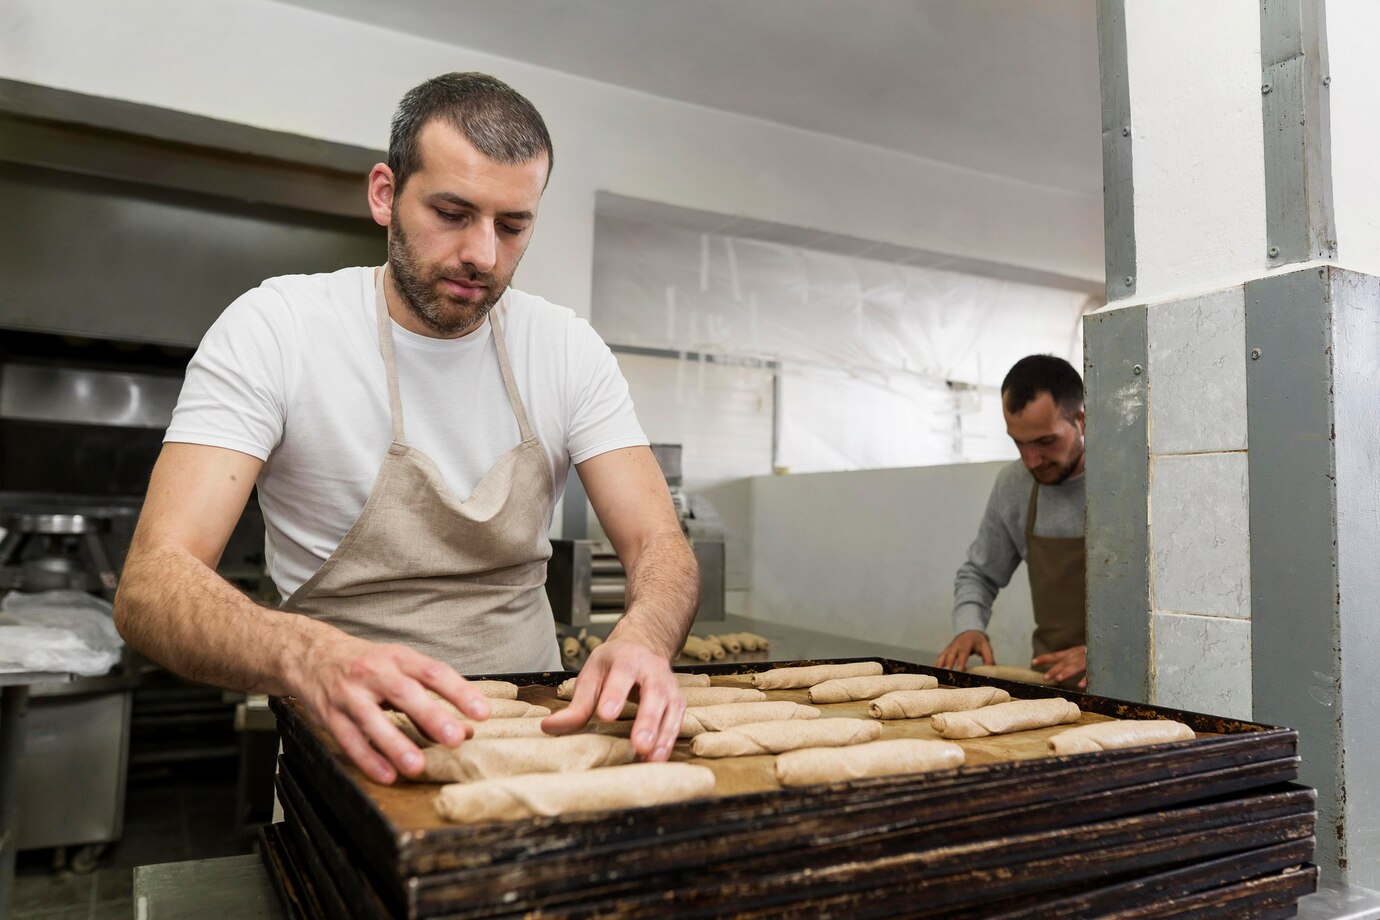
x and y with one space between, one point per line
461 581
1058 569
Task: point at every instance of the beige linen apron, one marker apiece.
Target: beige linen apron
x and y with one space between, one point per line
461 581
1058 585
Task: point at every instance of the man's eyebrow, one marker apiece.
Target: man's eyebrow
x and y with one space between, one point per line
461 202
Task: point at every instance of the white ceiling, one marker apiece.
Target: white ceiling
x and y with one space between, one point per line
1008 87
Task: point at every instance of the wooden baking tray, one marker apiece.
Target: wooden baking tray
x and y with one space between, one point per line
1010 790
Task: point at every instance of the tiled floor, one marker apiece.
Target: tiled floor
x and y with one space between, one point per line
171 815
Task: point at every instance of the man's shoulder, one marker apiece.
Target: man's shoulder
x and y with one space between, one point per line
305 292
1013 477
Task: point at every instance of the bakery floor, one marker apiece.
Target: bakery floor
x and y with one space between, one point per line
175 813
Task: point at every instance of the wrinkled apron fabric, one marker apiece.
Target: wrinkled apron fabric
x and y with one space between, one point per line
1058 569
461 581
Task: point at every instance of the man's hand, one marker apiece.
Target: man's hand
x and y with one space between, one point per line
969 642
610 674
343 681
1065 665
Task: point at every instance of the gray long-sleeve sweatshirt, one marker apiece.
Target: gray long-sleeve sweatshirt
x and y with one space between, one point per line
1000 544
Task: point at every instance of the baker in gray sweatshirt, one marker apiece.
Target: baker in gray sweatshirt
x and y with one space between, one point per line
1035 513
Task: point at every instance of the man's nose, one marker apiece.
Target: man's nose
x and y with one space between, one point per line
1030 457
479 247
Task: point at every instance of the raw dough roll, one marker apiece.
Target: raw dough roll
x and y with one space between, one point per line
566 689
1003 718
409 728
1108 736
632 786
495 757
730 643
876 758
1008 672
775 737
527 727
570 647
847 689
493 689
790 678
697 648
593 642
726 715
709 696
916 704
502 709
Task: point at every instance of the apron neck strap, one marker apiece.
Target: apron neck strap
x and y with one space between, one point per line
1030 511
390 364
509 381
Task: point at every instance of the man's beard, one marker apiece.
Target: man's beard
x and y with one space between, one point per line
1061 473
444 314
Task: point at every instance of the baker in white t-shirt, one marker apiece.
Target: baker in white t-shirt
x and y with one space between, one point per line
409 428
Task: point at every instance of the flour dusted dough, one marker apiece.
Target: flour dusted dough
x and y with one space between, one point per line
876 758
726 715
494 757
790 678
917 704
1008 672
502 709
529 727
496 689
1109 736
775 737
1003 718
631 786
847 689
566 690
709 696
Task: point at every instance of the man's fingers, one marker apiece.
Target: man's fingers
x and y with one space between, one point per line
986 650
581 707
358 749
618 683
654 699
385 738
671 722
443 679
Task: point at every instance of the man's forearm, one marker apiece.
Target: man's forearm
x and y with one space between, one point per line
663 594
175 609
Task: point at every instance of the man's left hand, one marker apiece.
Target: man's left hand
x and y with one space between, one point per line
1065 665
610 674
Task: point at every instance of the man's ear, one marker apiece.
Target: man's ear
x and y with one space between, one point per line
381 194
1080 418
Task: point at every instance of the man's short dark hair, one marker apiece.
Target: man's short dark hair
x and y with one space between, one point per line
1036 374
494 117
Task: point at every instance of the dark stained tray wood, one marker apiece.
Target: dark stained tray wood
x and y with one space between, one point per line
558 864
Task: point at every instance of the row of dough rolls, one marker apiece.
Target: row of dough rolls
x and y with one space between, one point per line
1004 718
776 737
566 689
848 689
809 766
918 704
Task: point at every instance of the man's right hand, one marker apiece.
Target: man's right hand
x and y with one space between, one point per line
343 680
971 642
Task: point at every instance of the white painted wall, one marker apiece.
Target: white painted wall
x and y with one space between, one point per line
1197 157
1354 97
284 68
873 554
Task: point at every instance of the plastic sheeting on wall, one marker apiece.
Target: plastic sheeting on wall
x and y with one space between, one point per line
869 351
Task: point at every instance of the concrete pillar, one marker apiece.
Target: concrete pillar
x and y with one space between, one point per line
1233 518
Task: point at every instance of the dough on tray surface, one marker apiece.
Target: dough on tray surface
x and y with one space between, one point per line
917 704
1004 718
791 735
876 758
631 786
808 676
848 689
1109 736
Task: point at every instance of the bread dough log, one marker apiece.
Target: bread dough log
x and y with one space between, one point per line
751 642
502 709
875 758
495 757
528 727
715 646
566 689
1109 736
730 643
790 678
1004 718
1007 672
570 647
917 704
847 689
709 696
697 648
775 737
635 785
701 719
409 728
493 689
593 642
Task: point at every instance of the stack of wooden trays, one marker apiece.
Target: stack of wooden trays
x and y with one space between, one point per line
1208 827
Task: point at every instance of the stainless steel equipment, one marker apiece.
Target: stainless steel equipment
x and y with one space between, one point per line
55 552
585 581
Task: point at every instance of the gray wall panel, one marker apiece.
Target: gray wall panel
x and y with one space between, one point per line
1118 196
1295 660
1118 462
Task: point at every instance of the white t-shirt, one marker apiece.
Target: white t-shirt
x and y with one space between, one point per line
291 373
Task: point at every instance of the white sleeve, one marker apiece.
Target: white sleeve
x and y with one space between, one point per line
602 416
235 391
